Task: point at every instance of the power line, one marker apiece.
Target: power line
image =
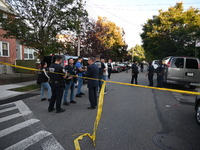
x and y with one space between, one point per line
127 9
113 14
139 5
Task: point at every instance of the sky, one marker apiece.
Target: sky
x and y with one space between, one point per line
132 14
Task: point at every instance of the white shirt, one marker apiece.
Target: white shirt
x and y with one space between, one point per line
105 73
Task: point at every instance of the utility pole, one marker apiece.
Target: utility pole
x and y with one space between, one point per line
79 45
79 38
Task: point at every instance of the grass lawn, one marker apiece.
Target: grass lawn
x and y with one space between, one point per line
26 88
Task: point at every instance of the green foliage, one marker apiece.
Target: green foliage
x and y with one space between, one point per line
36 23
25 63
26 88
172 32
137 53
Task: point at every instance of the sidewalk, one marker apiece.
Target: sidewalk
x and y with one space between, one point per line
6 93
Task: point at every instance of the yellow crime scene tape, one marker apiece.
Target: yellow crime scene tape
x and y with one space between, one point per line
101 100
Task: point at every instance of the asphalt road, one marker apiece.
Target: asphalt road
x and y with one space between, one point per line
133 119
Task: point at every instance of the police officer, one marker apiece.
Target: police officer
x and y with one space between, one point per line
160 74
150 74
57 84
109 68
70 80
134 72
92 72
102 68
80 72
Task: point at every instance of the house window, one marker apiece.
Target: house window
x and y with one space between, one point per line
4 49
29 53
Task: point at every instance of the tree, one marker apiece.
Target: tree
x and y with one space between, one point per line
105 38
172 32
137 53
37 22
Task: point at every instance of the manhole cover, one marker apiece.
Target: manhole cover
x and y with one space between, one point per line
170 142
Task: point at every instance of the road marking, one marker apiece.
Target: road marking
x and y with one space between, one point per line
8 109
29 141
52 144
10 117
23 108
17 127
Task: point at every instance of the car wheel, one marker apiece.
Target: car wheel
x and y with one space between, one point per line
192 87
198 114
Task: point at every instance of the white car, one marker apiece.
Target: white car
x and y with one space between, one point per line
155 63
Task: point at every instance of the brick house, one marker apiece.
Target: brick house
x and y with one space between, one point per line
10 49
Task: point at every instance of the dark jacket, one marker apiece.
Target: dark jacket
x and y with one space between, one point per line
92 72
101 67
56 72
160 70
151 70
42 77
70 70
135 69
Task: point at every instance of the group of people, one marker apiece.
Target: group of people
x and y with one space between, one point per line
151 71
58 80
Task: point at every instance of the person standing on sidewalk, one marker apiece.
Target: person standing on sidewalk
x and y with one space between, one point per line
57 84
134 72
70 71
105 73
109 68
92 72
80 71
43 80
150 74
101 67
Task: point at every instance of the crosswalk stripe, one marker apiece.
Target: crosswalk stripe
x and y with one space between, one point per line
17 127
8 109
52 144
29 141
10 117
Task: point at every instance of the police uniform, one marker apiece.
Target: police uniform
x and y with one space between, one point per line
150 75
57 84
69 83
101 67
134 73
160 73
92 72
109 70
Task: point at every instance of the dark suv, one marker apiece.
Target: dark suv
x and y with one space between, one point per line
197 109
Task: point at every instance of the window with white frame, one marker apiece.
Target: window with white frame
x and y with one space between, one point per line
29 53
4 49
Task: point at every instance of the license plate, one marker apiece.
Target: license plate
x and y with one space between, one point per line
190 74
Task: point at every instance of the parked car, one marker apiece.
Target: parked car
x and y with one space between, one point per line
116 68
123 66
155 63
197 109
182 70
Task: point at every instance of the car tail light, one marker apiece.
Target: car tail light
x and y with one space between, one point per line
168 64
65 63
